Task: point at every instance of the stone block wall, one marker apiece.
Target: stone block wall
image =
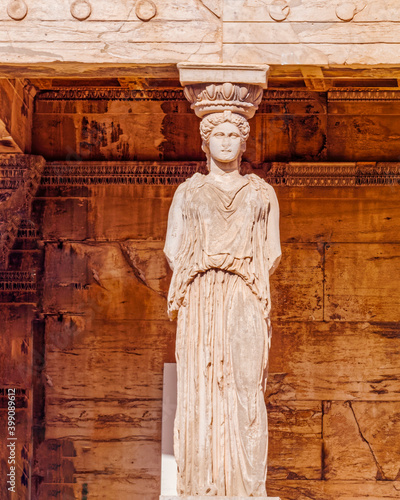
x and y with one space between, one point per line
333 387
97 327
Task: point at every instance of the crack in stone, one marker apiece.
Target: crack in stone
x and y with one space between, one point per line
118 30
210 9
138 273
380 473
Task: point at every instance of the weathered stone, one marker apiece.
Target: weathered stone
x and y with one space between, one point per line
16 98
16 345
99 280
334 490
366 288
345 212
347 454
295 443
310 11
360 440
297 286
22 450
202 31
334 361
96 370
379 426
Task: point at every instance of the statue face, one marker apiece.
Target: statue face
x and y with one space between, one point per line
225 143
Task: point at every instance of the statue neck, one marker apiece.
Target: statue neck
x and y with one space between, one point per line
222 168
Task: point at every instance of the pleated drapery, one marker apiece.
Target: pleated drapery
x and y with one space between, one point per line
222 242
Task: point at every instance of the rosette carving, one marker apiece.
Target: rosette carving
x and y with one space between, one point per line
17 10
215 98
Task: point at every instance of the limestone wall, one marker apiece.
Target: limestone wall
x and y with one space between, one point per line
91 89
332 393
334 409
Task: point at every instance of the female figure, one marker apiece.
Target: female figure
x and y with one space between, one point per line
222 244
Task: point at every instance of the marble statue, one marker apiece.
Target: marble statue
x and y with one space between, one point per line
222 245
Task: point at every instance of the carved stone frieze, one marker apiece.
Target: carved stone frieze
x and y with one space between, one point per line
19 179
309 174
173 173
177 94
27 230
363 95
333 174
116 94
95 173
153 94
289 95
377 174
280 97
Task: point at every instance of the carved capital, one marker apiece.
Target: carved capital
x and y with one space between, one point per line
221 87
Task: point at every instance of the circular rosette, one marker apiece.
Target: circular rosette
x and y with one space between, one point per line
81 9
17 10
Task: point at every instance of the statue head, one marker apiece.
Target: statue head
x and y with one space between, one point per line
224 136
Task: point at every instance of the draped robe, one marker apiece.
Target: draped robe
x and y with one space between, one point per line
222 244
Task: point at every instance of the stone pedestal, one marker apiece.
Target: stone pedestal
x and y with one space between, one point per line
217 498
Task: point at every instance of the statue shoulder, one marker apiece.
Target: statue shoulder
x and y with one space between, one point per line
260 183
188 185
195 180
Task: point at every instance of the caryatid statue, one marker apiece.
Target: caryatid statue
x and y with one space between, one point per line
222 245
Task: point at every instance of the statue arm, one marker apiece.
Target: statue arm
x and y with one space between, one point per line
273 237
175 226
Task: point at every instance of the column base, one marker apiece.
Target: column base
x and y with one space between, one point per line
166 497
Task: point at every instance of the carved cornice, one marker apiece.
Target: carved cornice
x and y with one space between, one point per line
333 174
153 94
363 95
111 94
378 174
309 174
99 173
176 94
289 96
173 173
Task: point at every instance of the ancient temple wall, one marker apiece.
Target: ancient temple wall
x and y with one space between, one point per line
291 125
92 90
332 396
332 393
